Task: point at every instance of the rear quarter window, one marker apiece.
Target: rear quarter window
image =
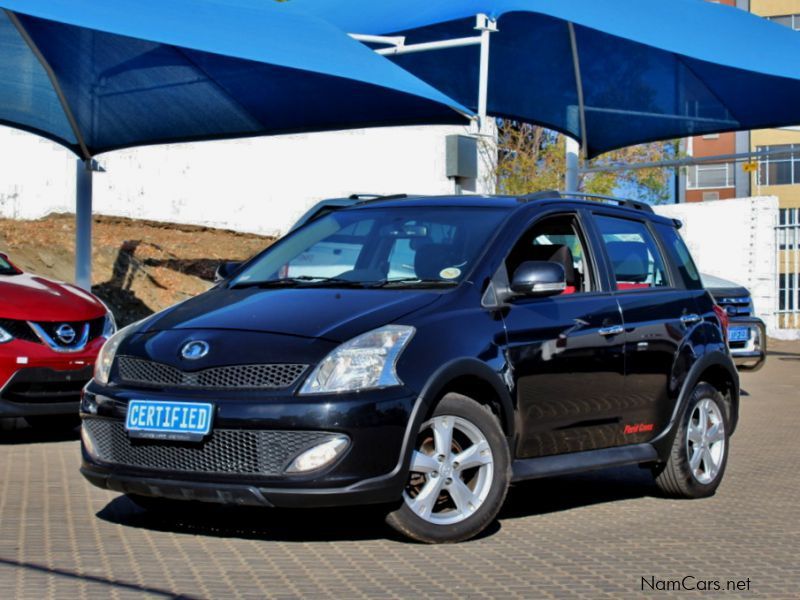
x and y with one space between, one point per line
679 254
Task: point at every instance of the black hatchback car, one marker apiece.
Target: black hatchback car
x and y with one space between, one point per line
424 353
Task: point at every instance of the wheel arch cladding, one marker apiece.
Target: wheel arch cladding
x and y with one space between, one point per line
474 379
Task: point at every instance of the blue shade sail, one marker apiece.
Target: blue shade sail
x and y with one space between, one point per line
649 69
98 75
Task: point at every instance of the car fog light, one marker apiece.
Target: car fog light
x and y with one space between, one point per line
318 456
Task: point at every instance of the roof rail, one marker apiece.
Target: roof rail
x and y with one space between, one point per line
364 198
625 202
543 195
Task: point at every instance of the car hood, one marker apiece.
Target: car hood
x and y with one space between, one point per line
332 314
33 298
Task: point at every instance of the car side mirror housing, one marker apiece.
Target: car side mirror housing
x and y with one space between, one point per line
539 279
225 270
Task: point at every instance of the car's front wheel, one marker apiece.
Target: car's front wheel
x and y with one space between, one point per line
460 471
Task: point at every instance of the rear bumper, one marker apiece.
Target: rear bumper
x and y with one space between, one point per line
750 355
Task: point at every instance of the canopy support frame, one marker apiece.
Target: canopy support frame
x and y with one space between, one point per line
576 152
483 24
85 167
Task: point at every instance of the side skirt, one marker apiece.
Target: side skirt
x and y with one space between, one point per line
576 462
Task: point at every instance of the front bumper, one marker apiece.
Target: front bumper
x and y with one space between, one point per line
752 354
35 380
373 469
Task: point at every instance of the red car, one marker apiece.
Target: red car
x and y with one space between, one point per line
50 334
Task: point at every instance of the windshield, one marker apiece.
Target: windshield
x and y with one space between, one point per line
6 268
391 247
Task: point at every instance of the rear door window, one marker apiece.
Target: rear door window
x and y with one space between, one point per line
633 254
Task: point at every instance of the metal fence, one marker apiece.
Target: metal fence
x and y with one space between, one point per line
788 245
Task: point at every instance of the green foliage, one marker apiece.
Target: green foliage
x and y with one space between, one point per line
531 158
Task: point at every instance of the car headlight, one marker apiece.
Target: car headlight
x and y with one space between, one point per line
5 337
366 362
109 325
102 368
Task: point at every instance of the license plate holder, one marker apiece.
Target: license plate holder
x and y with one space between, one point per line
168 420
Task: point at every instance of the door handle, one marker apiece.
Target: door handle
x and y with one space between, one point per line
690 319
613 330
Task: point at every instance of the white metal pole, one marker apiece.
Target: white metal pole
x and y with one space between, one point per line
487 27
573 151
83 223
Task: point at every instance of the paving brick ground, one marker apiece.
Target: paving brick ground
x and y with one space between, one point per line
594 535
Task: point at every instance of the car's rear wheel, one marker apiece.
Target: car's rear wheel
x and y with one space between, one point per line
699 453
54 423
460 471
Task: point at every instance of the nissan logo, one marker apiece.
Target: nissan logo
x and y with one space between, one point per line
194 350
65 333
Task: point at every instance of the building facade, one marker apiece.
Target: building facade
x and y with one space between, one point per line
776 173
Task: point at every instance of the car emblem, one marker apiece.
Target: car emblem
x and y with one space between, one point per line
65 334
195 350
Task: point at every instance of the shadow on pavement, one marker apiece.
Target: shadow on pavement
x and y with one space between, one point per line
527 499
252 523
45 570
556 494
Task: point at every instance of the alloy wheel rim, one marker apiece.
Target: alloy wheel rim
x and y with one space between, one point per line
705 441
451 471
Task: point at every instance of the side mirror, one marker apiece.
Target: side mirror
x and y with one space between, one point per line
225 270
539 279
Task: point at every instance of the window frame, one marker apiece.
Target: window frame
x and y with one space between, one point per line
762 175
609 267
585 234
730 176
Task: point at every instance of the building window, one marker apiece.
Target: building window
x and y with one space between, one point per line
789 230
786 296
781 166
710 176
791 21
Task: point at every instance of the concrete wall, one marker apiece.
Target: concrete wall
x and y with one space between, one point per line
259 185
735 240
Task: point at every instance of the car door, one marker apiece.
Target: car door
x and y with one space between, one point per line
657 312
565 352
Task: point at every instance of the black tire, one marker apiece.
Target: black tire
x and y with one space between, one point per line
54 423
676 477
410 524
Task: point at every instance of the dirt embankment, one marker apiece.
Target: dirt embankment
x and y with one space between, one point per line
139 267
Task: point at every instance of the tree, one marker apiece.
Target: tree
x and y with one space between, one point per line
529 158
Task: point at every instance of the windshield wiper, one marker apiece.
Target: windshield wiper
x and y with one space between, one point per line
302 280
412 281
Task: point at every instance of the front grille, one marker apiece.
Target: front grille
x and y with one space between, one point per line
96 327
153 374
738 306
226 451
19 330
